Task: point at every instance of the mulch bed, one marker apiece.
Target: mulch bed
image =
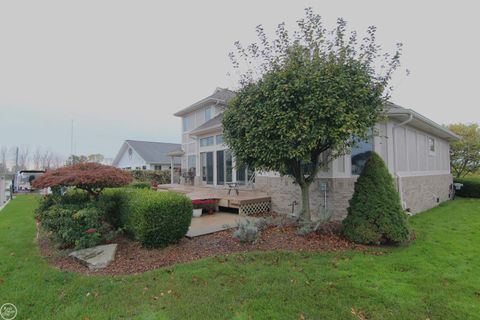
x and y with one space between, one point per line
132 258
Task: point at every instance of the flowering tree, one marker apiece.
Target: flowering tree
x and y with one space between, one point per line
89 176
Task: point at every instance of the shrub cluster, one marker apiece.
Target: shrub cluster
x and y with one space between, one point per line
375 214
156 219
74 220
140 185
151 176
470 188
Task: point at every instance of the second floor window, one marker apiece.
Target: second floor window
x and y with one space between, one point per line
208 113
208 141
186 124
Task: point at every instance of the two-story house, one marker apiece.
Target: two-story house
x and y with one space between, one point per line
415 149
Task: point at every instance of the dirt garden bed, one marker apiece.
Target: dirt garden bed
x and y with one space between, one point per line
132 258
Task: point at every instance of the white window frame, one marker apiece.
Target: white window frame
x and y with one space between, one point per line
209 141
186 123
192 161
208 110
434 144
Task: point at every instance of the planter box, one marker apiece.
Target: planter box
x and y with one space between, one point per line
197 213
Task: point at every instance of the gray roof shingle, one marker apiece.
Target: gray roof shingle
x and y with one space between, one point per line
215 122
220 95
154 152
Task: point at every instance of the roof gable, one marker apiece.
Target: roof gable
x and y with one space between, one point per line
149 151
220 95
214 123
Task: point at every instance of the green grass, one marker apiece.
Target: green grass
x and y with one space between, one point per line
437 277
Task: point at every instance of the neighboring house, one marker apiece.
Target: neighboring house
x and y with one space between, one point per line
145 155
415 149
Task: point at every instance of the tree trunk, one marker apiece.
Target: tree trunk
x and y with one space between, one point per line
306 214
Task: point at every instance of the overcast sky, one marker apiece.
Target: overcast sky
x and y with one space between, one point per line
120 69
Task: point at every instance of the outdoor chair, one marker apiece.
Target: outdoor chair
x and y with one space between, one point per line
233 186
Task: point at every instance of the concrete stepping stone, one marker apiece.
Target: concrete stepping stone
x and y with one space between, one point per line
96 257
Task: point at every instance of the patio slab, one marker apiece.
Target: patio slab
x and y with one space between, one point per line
218 221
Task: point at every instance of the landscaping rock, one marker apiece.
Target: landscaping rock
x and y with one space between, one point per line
96 257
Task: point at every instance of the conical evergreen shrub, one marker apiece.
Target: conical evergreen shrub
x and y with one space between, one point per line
375 214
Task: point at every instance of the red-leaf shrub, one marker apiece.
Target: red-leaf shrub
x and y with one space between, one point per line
89 176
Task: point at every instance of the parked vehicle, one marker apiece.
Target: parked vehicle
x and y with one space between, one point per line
22 181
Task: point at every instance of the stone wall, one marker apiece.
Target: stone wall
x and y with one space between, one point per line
419 193
286 194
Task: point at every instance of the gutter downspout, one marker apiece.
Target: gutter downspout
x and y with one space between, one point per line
399 180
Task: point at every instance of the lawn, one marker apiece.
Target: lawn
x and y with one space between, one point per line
437 277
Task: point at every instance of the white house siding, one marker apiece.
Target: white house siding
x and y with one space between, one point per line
134 161
189 144
422 178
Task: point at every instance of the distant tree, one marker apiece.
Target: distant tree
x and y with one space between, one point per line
3 159
303 98
465 154
97 157
57 161
91 177
74 159
37 159
23 157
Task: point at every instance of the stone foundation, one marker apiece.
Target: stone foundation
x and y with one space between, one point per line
286 195
419 193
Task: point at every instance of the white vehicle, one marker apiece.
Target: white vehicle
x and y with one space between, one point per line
23 180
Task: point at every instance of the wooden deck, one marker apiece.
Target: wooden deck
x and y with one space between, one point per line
246 199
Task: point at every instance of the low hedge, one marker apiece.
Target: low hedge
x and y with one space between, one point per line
470 188
157 219
140 185
156 176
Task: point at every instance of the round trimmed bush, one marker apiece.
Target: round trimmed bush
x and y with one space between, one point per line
375 214
158 219
114 203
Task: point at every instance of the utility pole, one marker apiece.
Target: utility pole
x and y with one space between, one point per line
71 140
16 161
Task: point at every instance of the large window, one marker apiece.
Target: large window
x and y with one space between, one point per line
224 167
186 123
360 154
219 139
192 164
208 141
244 175
208 113
207 167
